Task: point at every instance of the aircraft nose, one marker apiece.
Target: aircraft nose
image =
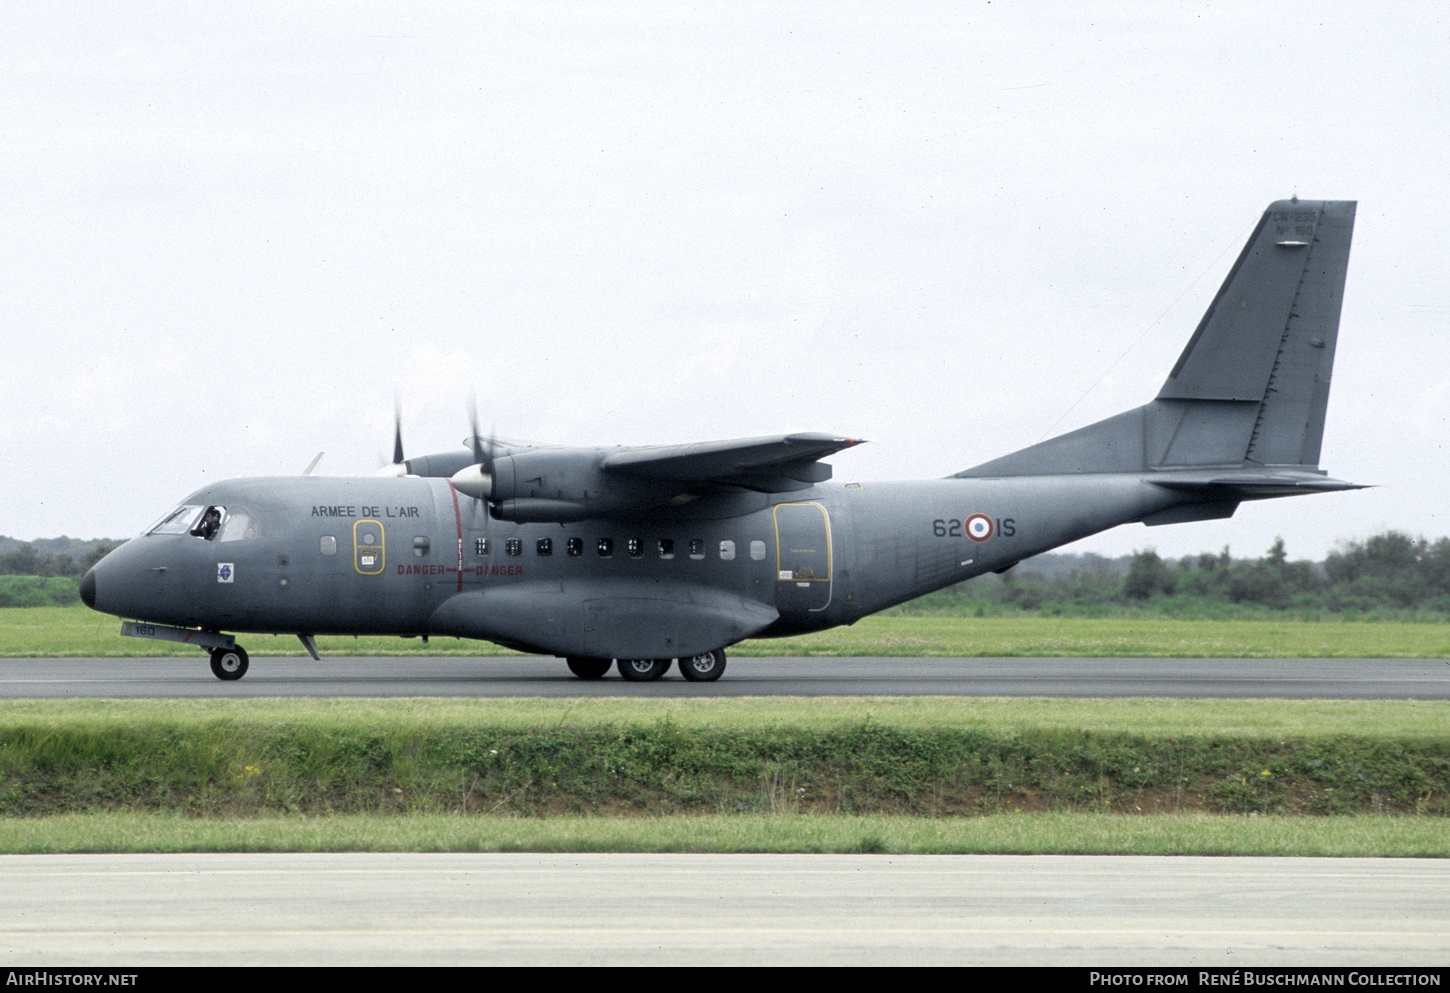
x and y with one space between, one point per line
88 589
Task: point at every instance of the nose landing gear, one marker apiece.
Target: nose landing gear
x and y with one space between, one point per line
228 659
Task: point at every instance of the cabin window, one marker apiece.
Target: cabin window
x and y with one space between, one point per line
480 547
727 550
544 547
575 547
636 547
514 547
329 544
757 551
697 548
421 545
606 547
667 548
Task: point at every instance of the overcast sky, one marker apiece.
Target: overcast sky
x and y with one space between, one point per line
233 232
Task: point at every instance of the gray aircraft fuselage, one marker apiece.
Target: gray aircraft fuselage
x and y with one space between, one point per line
405 557
676 552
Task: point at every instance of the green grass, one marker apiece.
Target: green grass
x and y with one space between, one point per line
942 757
1426 720
76 631
1042 834
990 637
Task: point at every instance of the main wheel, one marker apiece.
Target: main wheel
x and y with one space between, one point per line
704 668
643 670
229 663
587 668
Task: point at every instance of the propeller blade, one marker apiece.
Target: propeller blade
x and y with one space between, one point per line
476 480
397 432
482 458
399 466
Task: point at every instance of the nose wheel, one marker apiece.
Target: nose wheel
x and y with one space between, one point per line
229 663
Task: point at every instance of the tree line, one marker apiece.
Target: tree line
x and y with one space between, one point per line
33 577
28 560
1387 575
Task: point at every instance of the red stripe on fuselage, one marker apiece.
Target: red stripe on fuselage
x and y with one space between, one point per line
458 519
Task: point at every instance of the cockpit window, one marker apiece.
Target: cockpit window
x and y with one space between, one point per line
214 523
238 526
179 521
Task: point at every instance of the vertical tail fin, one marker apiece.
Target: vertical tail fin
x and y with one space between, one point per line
1268 339
1251 387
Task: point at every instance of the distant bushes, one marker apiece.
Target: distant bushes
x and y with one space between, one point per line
1388 576
38 591
26 559
30 576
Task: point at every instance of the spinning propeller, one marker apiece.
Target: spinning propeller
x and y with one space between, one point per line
476 480
399 466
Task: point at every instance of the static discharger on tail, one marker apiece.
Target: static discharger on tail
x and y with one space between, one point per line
638 558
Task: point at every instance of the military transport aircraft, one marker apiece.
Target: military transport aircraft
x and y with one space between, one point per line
642 556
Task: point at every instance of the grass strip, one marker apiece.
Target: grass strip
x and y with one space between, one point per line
403 717
41 632
1044 834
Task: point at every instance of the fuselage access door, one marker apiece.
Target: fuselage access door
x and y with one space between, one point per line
802 558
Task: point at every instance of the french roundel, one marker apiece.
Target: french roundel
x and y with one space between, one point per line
979 527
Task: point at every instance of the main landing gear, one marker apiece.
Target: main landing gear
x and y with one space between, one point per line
586 668
229 663
703 668
643 670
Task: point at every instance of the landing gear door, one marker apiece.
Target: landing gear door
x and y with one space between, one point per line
367 547
802 557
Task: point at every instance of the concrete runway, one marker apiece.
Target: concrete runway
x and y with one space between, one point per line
598 909
1359 679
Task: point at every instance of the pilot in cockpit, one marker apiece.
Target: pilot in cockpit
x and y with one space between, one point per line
211 522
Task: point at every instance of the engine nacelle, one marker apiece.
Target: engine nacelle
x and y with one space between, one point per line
557 485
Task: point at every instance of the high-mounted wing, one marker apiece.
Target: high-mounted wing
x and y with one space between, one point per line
573 484
777 464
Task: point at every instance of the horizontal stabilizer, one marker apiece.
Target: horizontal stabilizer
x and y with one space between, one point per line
1250 484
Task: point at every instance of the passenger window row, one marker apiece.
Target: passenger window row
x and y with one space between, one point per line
635 548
